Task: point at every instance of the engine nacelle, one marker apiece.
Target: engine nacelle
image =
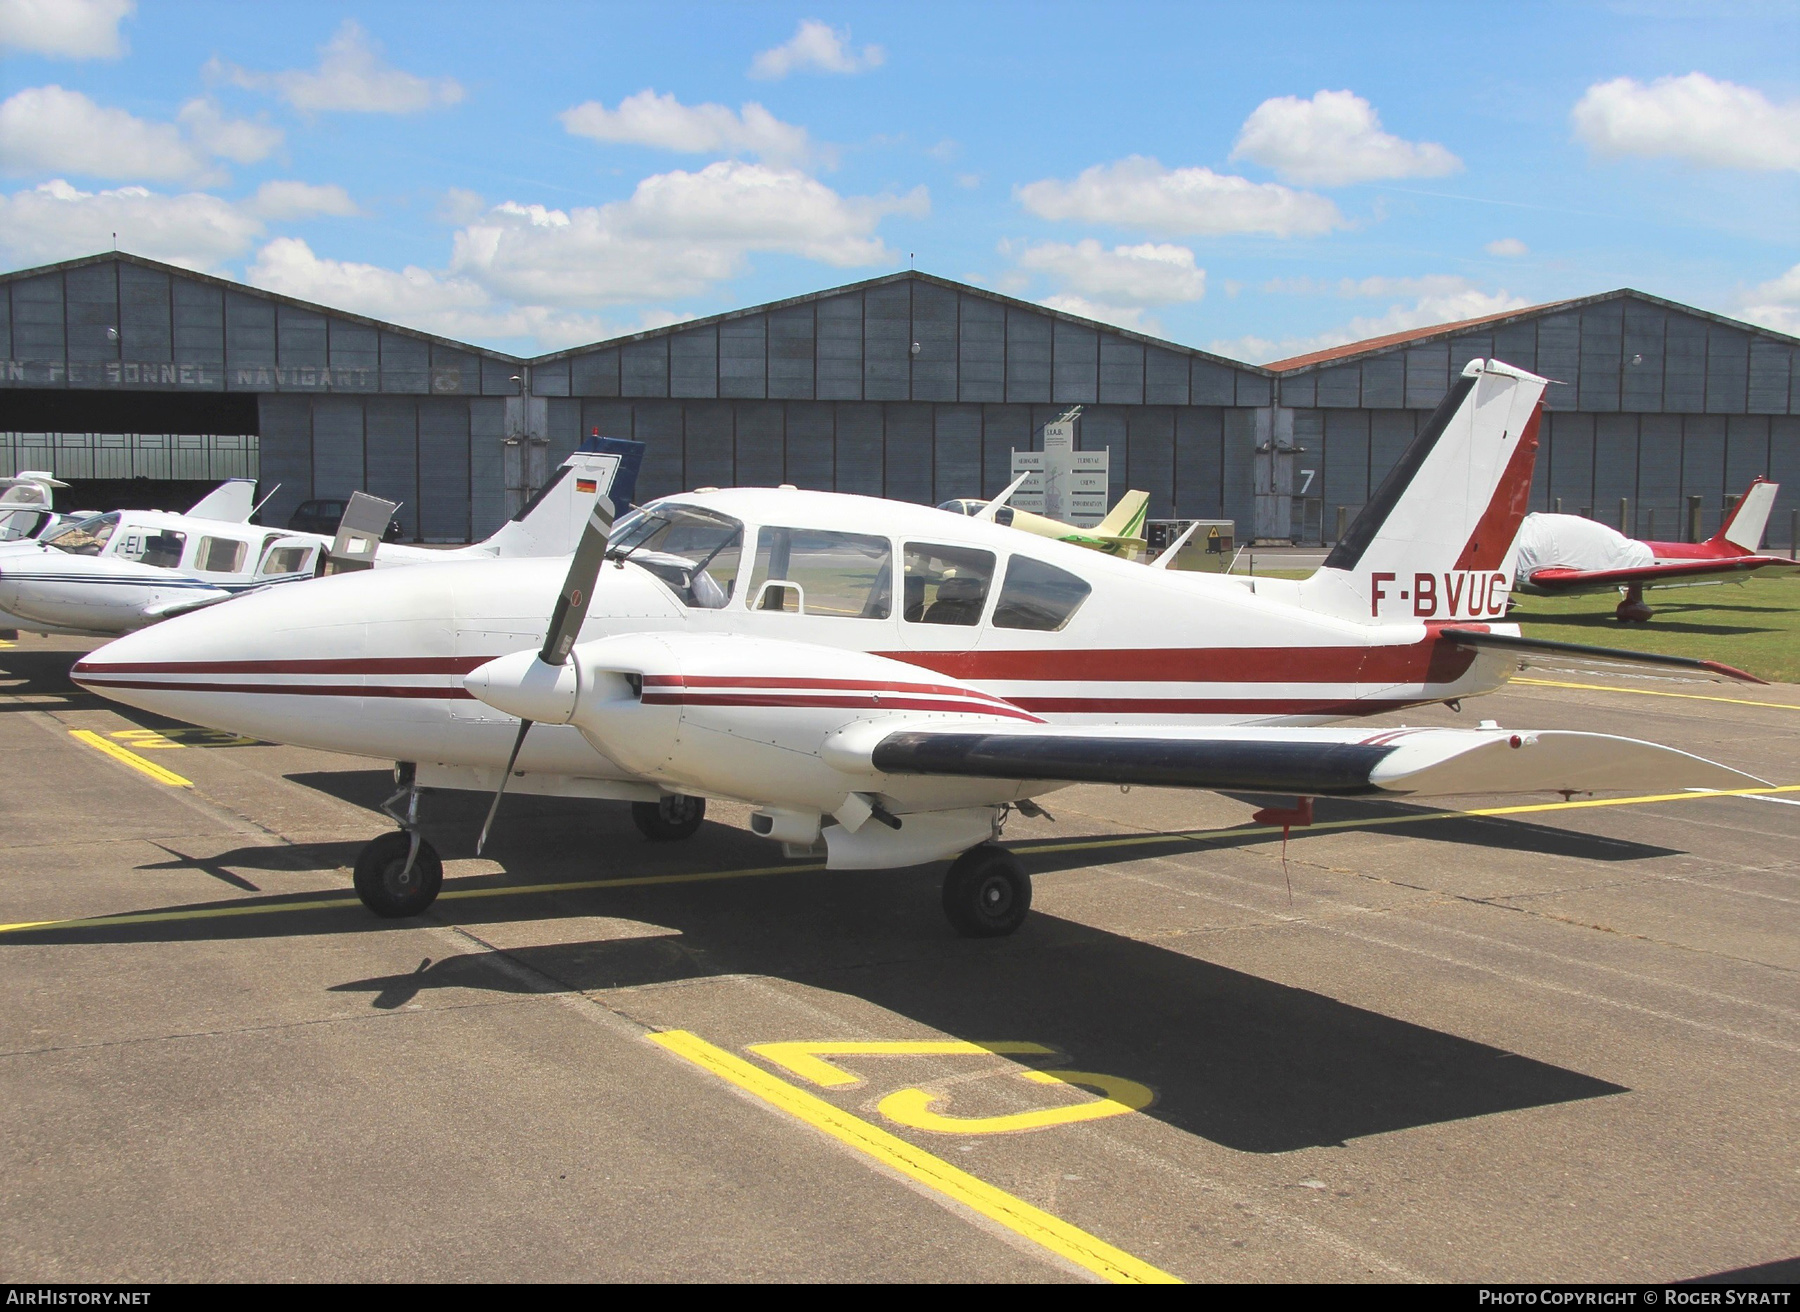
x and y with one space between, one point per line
756 719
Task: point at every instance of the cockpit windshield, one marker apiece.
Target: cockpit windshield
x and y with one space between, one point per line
968 506
85 537
695 552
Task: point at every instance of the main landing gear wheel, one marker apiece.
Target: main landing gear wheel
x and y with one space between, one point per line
1632 610
385 884
987 892
675 816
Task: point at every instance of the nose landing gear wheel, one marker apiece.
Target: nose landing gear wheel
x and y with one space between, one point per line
987 892
674 817
387 887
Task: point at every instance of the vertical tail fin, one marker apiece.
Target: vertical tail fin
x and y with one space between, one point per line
231 502
551 523
1125 520
1743 527
1436 539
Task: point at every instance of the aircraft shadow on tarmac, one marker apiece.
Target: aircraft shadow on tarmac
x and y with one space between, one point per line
1236 1059
39 674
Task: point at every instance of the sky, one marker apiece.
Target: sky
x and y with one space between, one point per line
1255 180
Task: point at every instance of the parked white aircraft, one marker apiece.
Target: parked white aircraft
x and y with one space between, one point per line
118 572
887 680
27 506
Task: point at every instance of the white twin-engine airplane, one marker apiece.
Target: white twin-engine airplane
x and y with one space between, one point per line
888 679
114 573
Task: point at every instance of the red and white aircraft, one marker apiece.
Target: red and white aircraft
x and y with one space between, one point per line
886 681
1570 553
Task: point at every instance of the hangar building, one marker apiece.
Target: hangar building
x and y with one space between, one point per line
909 386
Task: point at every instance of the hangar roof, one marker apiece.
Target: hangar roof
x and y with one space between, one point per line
1351 351
245 289
914 275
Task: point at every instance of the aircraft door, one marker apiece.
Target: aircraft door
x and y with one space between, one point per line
945 595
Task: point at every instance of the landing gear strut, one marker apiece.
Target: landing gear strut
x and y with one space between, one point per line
987 892
1633 610
674 816
399 874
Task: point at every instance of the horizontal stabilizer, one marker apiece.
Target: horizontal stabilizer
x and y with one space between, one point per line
1544 650
1308 762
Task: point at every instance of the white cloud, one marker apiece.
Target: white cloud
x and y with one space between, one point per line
56 221
48 129
1450 300
1120 316
1125 275
237 139
676 235
1508 248
301 200
71 29
51 130
1776 304
351 77
1140 193
417 298
1333 140
648 119
817 48
1694 119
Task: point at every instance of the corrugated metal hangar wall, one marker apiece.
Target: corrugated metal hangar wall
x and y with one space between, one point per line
906 386
1653 402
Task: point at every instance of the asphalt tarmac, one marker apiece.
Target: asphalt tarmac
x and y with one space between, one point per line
1559 1044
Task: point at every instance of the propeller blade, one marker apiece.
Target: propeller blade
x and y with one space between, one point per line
578 587
565 625
494 809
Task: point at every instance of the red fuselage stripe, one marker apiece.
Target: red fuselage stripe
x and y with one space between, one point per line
1429 661
439 691
868 702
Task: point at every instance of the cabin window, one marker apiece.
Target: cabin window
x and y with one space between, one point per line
221 555
1038 596
85 537
946 585
287 560
159 547
696 553
965 506
849 575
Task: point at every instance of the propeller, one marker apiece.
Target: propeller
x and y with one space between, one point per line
565 626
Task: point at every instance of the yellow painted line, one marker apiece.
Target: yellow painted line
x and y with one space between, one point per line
1038 1226
1651 692
707 876
131 758
1383 822
803 1058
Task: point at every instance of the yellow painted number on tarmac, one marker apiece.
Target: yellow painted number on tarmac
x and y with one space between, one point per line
803 1059
913 1107
143 739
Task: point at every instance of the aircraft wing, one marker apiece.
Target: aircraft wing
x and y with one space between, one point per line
1304 762
1560 579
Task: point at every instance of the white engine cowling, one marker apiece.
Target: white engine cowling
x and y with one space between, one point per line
766 721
